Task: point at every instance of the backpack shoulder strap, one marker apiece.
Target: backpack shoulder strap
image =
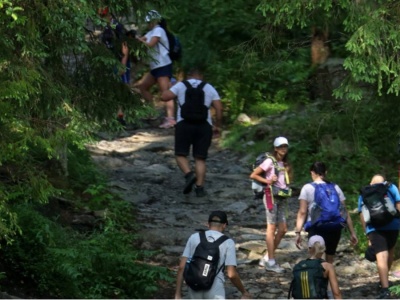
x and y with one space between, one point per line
220 240
201 85
203 238
187 84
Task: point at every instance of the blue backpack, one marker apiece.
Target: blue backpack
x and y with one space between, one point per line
327 212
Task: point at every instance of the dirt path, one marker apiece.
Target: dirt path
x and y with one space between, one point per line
142 170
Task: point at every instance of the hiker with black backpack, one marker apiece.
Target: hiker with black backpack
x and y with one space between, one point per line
379 206
195 127
311 276
203 262
156 40
322 211
273 174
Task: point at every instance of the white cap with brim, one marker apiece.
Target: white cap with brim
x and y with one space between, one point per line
280 141
314 239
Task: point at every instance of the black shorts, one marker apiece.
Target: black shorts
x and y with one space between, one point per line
331 239
165 71
383 240
197 135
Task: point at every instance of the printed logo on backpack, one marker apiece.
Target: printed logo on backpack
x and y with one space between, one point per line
201 270
327 211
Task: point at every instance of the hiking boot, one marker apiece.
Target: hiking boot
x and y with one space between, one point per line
168 123
200 192
384 294
190 180
274 268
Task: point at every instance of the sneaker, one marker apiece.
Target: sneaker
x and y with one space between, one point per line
274 268
168 123
263 261
200 192
190 180
384 294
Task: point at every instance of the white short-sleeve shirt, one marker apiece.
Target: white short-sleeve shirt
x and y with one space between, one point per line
210 95
158 54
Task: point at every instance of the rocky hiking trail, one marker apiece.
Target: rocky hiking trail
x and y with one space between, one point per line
141 168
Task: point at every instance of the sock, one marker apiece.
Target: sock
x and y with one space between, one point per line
271 262
266 256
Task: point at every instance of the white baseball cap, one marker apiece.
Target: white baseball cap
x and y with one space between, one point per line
314 239
280 141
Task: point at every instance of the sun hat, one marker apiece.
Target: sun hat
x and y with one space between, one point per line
218 216
280 141
314 239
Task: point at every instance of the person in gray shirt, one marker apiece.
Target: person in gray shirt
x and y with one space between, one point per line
217 223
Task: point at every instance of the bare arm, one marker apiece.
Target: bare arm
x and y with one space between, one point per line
218 115
179 278
353 237
300 220
153 41
331 274
167 95
256 175
234 277
125 55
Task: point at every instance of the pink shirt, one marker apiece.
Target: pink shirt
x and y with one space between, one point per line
268 167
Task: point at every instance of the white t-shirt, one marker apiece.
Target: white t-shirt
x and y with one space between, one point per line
307 193
210 95
158 54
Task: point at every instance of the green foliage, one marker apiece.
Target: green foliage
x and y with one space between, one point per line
61 263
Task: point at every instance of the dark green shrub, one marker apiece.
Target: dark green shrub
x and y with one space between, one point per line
61 263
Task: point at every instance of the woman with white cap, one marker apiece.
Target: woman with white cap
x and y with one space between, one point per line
316 249
274 171
160 65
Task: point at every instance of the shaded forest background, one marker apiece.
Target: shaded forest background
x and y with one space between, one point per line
334 65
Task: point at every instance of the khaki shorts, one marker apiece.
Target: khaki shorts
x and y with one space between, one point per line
277 214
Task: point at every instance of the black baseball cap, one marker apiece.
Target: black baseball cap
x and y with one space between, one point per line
218 216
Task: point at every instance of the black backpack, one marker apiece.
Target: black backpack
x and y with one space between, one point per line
375 198
194 110
201 270
175 47
112 33
308 280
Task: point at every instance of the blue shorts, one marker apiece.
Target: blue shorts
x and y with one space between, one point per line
165 71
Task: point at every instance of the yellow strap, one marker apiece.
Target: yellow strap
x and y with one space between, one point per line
287 177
